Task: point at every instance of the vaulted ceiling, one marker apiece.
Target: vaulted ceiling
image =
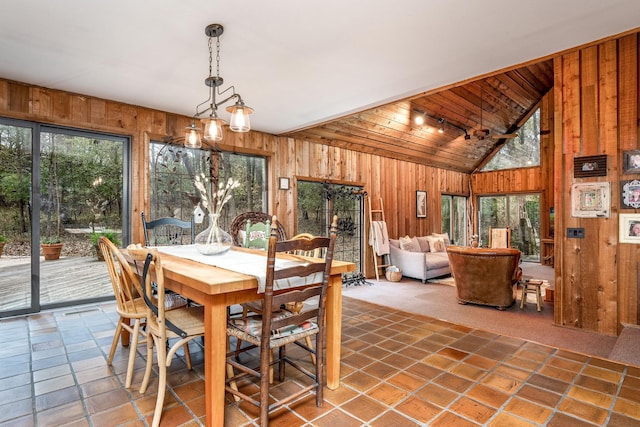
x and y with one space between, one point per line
456 120
338 72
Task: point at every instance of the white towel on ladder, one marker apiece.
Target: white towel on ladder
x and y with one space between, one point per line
378 237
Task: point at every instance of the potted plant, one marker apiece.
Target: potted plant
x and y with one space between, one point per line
3 241
95 239
51 248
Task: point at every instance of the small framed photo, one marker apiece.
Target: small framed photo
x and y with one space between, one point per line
284 183
630 194
591 200
584 167
421 204
631 162
629 228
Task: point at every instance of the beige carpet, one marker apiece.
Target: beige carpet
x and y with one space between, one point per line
627 348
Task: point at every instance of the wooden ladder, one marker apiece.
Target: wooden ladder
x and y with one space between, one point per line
379 214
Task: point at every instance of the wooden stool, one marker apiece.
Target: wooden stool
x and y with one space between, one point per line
530 286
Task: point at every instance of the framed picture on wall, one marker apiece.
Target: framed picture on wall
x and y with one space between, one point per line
631 161
421 204
629 228
584 167
630 194
591 200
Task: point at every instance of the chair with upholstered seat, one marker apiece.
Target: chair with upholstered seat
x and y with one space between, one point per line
182 325
168 231
239 224
304 281
256 306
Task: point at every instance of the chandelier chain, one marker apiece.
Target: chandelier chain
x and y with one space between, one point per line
218 56
210 58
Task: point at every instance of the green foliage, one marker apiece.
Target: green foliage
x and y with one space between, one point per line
520 152
50 240
3 239
15 187
109 234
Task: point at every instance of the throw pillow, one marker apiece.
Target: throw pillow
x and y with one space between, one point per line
424 244
415 245
436 244
407 244
445 237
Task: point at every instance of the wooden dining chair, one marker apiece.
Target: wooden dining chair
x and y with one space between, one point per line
179 325
131 307
279 326
168 231
256 306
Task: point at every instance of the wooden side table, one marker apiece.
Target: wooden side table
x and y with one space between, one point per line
531 286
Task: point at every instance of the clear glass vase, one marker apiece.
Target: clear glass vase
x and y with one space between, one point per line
214 240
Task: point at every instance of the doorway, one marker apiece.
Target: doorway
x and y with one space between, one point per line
64 187
319 201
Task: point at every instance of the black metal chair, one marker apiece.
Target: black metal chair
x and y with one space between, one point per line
168 231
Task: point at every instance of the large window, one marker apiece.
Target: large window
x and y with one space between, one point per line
521 212
520 152
173 170
454 218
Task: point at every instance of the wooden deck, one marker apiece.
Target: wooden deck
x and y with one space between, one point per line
66 279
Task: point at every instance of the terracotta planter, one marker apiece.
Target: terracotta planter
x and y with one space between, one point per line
51 251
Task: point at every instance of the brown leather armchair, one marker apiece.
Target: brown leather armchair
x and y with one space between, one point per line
485 276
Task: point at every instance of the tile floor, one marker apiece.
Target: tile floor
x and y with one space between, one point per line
398 369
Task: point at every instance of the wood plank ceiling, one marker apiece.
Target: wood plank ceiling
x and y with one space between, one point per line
500 103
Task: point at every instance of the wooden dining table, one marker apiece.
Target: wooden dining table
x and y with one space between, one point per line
216 289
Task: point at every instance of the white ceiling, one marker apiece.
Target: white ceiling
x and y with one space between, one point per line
297 63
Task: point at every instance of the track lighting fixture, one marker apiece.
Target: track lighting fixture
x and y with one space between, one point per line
421 116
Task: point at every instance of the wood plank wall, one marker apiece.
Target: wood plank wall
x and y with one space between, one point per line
393 180
596 113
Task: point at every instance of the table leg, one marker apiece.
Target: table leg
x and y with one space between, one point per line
215 339
334 331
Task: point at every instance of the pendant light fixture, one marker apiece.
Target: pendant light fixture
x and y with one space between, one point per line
239 121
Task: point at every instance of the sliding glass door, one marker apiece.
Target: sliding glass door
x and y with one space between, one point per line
59 188
454 218
16 166
520 212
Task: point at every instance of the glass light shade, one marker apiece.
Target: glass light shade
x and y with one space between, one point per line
239 121
419 120
192 138
213 129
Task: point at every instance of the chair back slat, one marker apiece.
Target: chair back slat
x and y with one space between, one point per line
168 231
125 283
282 297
